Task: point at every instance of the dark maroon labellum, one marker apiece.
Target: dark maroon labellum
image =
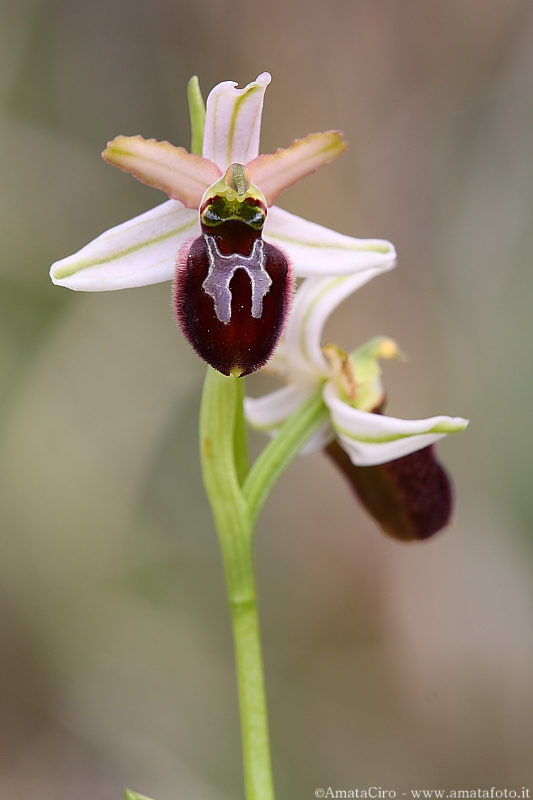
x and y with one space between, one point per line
410 497
232 294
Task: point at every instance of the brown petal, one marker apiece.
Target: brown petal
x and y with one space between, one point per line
276 172
183 176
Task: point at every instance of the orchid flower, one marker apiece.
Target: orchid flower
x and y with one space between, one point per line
389 462
234 258
232 287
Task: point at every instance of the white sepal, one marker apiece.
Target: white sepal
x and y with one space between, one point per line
371 439
324 435
138 252
277 363
313 303
316 251
269 412
233 122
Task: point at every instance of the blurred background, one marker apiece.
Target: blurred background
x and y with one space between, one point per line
399 666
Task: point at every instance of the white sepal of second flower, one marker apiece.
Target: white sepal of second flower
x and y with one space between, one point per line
368 438
371 439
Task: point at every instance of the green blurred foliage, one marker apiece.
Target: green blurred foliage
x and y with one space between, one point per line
399 667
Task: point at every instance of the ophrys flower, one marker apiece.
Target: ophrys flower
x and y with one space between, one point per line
390 462
233 253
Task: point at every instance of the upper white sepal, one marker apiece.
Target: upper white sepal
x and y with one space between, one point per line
233 122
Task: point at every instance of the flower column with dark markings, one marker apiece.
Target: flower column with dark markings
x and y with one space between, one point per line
234 256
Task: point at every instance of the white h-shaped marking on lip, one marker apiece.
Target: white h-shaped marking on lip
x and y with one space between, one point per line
221 270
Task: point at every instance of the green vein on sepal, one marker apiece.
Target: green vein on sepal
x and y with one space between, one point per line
441 427
365 246
71 269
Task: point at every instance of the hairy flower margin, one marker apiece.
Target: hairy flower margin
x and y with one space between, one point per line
389 462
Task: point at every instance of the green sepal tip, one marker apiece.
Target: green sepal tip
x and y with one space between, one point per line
130 795
196 114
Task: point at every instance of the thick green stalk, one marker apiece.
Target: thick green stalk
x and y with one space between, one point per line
252 700
240 436
224 465
281 450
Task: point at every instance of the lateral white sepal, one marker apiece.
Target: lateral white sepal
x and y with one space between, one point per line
138 252
376 439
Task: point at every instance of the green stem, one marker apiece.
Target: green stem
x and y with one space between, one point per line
240 436
281 450
252 700
220 420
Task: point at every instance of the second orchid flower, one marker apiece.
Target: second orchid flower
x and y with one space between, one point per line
389 462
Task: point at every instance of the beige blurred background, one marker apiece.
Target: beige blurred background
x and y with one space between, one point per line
387 665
